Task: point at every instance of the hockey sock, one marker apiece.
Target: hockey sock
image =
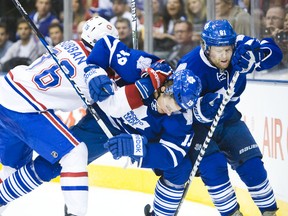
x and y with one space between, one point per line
74 180
254 175
19 183
214 173
224 198
167 198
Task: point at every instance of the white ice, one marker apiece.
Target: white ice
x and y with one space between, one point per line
47 200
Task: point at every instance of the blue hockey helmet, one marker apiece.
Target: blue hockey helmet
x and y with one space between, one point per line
218 33
186 88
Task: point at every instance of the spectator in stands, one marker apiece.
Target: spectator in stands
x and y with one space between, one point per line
173 11
80 29
5 43
238 17
56 33
183 31
123 26
197 14
163 42
158 26
121 9
276 26
102 8
79 14
274 21
23 51
43 17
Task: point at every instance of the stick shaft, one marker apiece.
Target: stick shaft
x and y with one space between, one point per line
134 25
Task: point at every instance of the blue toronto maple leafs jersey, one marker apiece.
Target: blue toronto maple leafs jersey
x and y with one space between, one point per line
169 136
217 80
128 63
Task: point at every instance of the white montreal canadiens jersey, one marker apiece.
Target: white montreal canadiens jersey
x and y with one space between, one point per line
42 85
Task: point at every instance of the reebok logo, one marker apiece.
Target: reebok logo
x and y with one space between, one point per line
138 150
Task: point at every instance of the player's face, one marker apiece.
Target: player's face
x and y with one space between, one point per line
220 56
166 104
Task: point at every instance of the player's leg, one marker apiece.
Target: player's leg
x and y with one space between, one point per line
87 130
27 178
51 139
214 172
245 157
13 154
169 189
258 185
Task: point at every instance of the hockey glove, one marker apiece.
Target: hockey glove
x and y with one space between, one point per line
255 46
158 73
99 84
153 78
131 145
207 106
243 59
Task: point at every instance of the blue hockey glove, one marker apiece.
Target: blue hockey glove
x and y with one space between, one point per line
99 84
243 60
131 145
207 106
145 87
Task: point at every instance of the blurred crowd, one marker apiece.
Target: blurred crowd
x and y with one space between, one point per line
177 24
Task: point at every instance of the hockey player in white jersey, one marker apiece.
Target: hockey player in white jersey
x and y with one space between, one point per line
29 95
221 53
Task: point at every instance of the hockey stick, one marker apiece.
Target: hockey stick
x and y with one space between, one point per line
134 25
66 73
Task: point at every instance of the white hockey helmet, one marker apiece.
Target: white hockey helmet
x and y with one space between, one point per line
96 28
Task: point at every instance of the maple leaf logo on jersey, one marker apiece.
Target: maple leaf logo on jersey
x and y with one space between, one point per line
136 120
143 63
221 75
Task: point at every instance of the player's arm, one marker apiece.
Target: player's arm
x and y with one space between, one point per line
128 63
251 54
161 155
207 106
168 152
101 87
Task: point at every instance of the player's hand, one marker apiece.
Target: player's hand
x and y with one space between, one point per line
131 145
99 84
255 46
243 59
145 87
207 106
158 73
153 78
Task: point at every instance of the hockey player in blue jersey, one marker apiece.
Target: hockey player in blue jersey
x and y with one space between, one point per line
89 131
221 53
